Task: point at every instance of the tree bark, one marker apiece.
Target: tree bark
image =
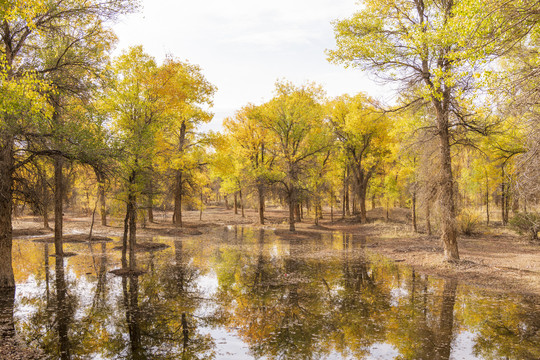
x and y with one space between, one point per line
45 199
260 189
235 203
150 202
292 205
446 187
58 204
132 199
413 212
7 279
201 208
101 195
241 202
487 199
428 218
177 214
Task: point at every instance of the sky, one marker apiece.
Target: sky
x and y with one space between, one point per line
244 46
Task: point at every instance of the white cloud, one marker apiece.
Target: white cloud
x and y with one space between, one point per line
244 46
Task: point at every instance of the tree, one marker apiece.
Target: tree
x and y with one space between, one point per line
363 134
436 46
294 120
250 142
187 94
25 28
137 113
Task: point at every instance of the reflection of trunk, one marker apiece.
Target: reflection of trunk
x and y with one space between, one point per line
356 275
180 271
7 301
58 204
185 331
133 315
446 321
47 278
259 276
62 310
99 296
6 182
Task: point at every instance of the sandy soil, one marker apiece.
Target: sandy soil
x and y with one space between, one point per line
495 258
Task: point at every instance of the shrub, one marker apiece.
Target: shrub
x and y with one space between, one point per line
468 222
526 222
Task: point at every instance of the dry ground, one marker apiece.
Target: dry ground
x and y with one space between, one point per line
495 258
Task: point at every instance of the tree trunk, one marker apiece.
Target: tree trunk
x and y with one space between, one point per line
177 214
45 200
292 205
226 202
413 212
487 201
58 205
260 189
150 203
241 203
344 197
428 219
446 189
201 209
298 216
132 199
503 198
362 197
235 203
7 279
102 204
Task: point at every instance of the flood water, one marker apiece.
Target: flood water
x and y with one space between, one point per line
240 293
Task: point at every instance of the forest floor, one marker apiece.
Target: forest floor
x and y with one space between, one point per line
495 257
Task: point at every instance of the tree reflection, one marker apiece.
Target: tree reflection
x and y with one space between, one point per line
284 298
63 310
7 301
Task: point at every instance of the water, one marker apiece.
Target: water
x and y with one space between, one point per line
240 293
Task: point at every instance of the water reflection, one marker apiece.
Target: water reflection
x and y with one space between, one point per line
308 296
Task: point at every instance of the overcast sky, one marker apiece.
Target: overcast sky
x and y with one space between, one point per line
244 46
